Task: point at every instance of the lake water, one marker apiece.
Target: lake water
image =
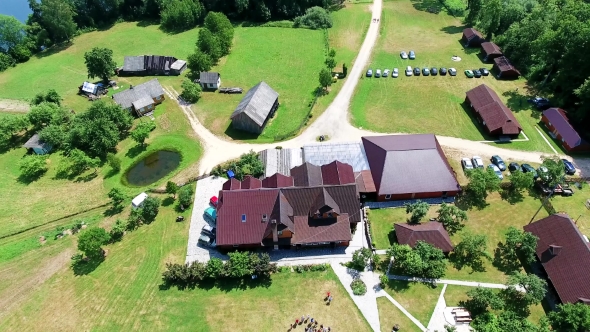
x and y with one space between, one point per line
153 167
17 8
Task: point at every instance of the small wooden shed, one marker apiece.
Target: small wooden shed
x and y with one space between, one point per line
490 51
256 108
504 68
472 37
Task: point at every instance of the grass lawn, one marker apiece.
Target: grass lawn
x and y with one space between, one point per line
431 104
575 207
389 315
417 298
123 292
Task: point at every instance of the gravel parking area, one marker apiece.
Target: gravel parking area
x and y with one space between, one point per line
206 188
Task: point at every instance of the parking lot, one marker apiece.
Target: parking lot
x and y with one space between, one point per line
206 188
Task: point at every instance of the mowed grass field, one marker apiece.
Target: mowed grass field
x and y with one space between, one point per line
432 104
390 315
124 293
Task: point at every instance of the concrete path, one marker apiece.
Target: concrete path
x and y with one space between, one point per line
402 309
437 320
367 303
449 282
545 139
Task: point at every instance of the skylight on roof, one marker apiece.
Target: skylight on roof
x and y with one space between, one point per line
243 218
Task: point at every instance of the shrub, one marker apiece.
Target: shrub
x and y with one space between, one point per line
455 7
358 287
118 230
314 18
185 195
360 259
191 92
33 166
114 162
383 280
150 209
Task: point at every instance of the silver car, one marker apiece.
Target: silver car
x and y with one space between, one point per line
496 170
386 73
395 73
403 55
466 164
477 162
378 73
409 71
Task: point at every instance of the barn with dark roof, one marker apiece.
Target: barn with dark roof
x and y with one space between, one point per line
556 121
504 68
490 51
431 232
256 108
472 37
490 111
409 167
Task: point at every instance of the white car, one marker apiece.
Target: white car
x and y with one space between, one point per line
386 72
496 170
403 55
466 164
477 162
395 73
378 73
452 71
409 71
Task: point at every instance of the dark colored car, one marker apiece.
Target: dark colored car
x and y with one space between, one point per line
369 73
425 71
496 160
569 167
412 55
526 168
512 167
476 73
443 71
540 103
434 71
484 71
417 71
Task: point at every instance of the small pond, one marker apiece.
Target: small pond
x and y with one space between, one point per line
153 167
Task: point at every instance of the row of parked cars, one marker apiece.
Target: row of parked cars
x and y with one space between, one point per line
413 71
477 73
208 232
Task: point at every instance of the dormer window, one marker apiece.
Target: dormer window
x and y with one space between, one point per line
243 218
264 218
329 214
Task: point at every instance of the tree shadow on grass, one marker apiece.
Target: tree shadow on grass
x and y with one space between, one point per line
453 29
136 151
147 23
398 285
512 196
87 177
113 210
28 179
83 267
111 173
431 6
167 201
15 142
503 262
54 49
392 237
517 102
467 201
459 263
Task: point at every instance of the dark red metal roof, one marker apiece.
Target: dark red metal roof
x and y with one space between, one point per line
504 65
250 182
431 232
364 182
569 270
232 184
277 180
559 120
490 48
405 164
469 33
309 230
307 175
492 110
337 173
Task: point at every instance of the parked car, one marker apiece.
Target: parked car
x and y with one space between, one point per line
378 73
206 241
496 160
569 167
409 71
559 190
412 55
543 173
484 71
369 73
425 71
386 73
476 73
526 168
395 73
434 71
213 201
466 164
403 55
513 167
540 103
210 214
209 231
443 71
452 71
469 73
416 71
496 170
477 161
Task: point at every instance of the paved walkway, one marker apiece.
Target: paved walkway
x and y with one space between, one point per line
449 282
545 139
437 320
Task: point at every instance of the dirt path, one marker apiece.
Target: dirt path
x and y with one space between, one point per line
335 122
13 106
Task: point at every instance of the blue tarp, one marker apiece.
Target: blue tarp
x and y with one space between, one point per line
230 174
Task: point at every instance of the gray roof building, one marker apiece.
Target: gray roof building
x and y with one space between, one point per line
152 65
351 153
258 104
279 160
207 77
39 146
139 94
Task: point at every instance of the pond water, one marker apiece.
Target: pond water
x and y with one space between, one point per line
153 167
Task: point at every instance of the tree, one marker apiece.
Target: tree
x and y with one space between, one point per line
57 17
570 317
535 288
222 28
53 135
32 166
435 264
12 32
6 61
215 268
325 78
480 300
198 62
191 92
114 162
210 45
142 131
150 209
556 170
360 258
171 188
452 217
248 164
80 162
118 230
424 260
135 219
481 183
180 15
51 96
185 195
99 63
418 210
330 63
42 115
117 197
90 242
314 18
332 53
471 251
11 126
520 181
238 265
522 243
489 17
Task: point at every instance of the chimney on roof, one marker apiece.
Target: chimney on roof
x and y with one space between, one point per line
554 250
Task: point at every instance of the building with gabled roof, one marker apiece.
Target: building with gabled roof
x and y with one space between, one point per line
557 122
277 180
504 68
256 108
148 65
564 253
209 80
472 37
491 112
431 232
409 167
37 145
141 98
490 51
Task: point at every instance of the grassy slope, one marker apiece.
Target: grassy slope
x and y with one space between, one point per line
389 315
123 292
430 104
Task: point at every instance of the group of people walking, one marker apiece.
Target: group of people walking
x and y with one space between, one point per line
311 324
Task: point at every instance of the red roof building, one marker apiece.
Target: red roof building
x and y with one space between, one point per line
490 51
491 112
555 119
409 167
504 68
277 181
565 256
336 173
472 37
431 232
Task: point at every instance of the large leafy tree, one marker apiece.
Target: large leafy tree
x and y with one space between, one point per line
520 181
99 63
424 260
117 197
32 167
315 18
534 288
556 170
90 242
481 300
58 18
179 15
210 45
481 183
185 195
191 92
418 211
142 132
150 209
471 252
570 317
78 162
198 62
325 78
452 217
518 243
222 29
42 115
238 265
12 32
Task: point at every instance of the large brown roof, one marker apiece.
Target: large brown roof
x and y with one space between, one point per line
337 173
307 175
490 48
254 203
309 230
492 110
277 181
469 33
364 182
569 270
402 164
504 64
431 232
